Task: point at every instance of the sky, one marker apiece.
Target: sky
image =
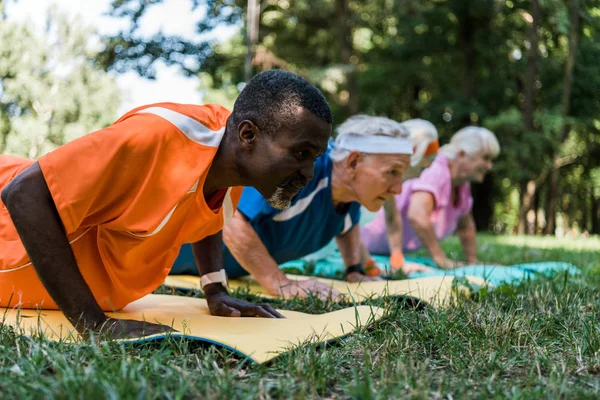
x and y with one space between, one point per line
174 17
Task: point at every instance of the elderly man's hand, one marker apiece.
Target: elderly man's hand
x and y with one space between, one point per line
223 305
290 288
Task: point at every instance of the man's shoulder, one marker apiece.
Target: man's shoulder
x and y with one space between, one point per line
212 116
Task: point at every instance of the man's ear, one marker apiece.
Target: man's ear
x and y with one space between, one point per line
248 132
351 162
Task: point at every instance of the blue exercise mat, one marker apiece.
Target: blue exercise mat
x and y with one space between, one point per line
330 264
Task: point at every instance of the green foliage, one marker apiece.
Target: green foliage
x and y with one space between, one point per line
453 62
50 91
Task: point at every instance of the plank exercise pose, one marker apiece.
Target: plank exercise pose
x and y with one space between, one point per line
98 223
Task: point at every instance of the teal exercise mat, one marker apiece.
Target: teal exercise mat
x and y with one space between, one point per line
330 264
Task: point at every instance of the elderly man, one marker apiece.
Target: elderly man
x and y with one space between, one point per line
97 223
439 202
424 139
364 166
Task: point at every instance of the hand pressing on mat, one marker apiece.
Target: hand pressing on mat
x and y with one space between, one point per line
223 305
130 329
397 262
410 267
291 288
446 263
356 277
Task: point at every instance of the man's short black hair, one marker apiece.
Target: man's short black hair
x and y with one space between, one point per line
272 98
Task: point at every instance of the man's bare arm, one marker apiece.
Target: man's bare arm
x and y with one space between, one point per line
248 249
32 210
468 237
208 254
393 226
351 249
34 214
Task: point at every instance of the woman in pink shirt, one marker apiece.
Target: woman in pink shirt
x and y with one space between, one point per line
436 204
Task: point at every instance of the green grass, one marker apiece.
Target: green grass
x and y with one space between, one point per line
540 339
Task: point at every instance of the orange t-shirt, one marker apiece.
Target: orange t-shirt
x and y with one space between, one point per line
128 196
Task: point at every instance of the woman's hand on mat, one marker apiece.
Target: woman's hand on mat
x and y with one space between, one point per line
410 267
446 263
356 277
302 288
129 329
223 305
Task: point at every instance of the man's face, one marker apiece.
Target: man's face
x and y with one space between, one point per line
474 167
377 177
282 163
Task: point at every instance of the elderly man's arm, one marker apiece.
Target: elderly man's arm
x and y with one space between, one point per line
249 250
34 214
350 246
393 226
419 216
208 254
467 234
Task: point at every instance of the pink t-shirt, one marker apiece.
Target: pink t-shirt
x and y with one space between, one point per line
445 216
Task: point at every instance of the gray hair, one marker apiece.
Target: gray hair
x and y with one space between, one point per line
471 140
366 125
422 133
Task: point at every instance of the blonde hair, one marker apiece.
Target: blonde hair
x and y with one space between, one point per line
366 125
471 140
422 133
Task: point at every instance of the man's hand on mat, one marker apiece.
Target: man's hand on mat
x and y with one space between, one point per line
129 329
223 305
355 277
302 288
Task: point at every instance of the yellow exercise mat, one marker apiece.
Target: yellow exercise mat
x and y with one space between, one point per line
259 339
435 290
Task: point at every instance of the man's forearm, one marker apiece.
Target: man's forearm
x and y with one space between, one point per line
468 239
208 254
245 245
349 245
32 210
393 225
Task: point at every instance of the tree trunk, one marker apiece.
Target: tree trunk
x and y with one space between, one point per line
532 58
346 52
466 35
252 24
595 215
551 202
536 209
566 105
483 207
528 189
527 194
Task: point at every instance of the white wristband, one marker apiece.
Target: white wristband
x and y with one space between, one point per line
214 277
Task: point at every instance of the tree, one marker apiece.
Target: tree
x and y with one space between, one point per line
50 90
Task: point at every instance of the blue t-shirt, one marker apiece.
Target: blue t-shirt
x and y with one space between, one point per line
303 228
